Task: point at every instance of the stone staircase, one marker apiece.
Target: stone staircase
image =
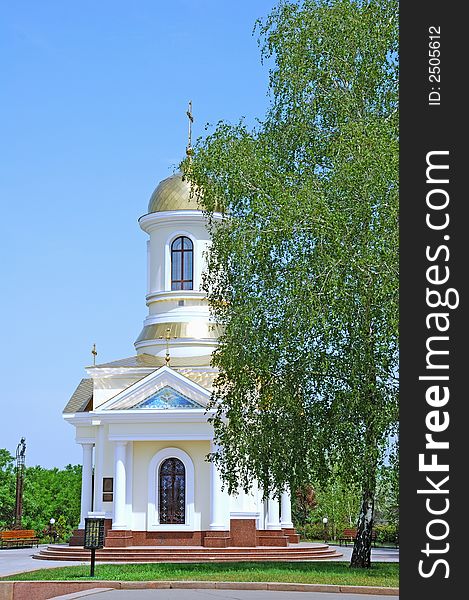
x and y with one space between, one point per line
190 554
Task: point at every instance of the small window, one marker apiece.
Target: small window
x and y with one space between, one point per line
182 259
108 489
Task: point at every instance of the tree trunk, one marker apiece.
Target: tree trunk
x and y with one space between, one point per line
361 555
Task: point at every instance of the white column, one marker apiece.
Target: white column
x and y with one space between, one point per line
129 463
285 510
119 520
86 487
98 470
219 500
273 513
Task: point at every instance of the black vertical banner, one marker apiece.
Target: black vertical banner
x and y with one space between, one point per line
434 316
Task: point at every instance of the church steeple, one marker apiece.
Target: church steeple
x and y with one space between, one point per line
178 240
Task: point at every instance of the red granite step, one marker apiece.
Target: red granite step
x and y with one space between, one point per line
188 554
268 540
199 551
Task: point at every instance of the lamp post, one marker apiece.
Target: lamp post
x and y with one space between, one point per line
20 460
324 522
51 529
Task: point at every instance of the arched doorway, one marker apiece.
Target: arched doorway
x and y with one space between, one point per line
172 492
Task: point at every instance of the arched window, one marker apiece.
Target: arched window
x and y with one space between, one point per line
172 492
182 258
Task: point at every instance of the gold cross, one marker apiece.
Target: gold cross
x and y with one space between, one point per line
191 120
94 353
167 337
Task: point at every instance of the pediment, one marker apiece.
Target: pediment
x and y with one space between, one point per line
161 390
168 398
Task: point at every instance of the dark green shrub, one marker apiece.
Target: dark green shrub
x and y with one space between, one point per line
386 534
312 531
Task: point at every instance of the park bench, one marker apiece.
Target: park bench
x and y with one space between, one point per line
349 535
18 538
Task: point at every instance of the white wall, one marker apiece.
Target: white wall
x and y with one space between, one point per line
105 388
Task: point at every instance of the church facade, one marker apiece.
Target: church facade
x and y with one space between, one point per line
142 421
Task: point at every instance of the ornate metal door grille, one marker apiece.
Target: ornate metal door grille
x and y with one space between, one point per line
172 492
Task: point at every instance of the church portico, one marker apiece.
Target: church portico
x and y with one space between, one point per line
155 483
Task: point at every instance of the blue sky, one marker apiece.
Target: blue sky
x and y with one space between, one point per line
92 116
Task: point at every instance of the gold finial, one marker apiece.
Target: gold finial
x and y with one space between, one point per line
167 337
94 353
191 120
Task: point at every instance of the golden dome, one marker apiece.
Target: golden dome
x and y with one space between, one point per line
173 193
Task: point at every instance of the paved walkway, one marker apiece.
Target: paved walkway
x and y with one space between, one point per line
21 559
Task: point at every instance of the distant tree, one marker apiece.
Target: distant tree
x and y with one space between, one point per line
335 499
339 501
62 528
7 489
47 493
50 493
304 501
303 269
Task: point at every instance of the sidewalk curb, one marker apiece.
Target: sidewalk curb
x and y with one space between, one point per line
42 590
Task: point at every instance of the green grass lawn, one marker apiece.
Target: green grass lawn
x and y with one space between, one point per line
339 573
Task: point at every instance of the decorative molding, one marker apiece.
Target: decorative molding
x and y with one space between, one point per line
151 221
138 416
156 437
174 296
186 342
118 372
186 314
153 491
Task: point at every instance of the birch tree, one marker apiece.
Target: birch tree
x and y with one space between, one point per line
303 270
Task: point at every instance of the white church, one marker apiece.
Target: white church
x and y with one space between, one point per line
142 421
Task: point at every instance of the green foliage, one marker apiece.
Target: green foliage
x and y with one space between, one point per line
387 493
303 269
338 501
63 529
7 488
304 501
48 493
51 493
311 532
387 534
